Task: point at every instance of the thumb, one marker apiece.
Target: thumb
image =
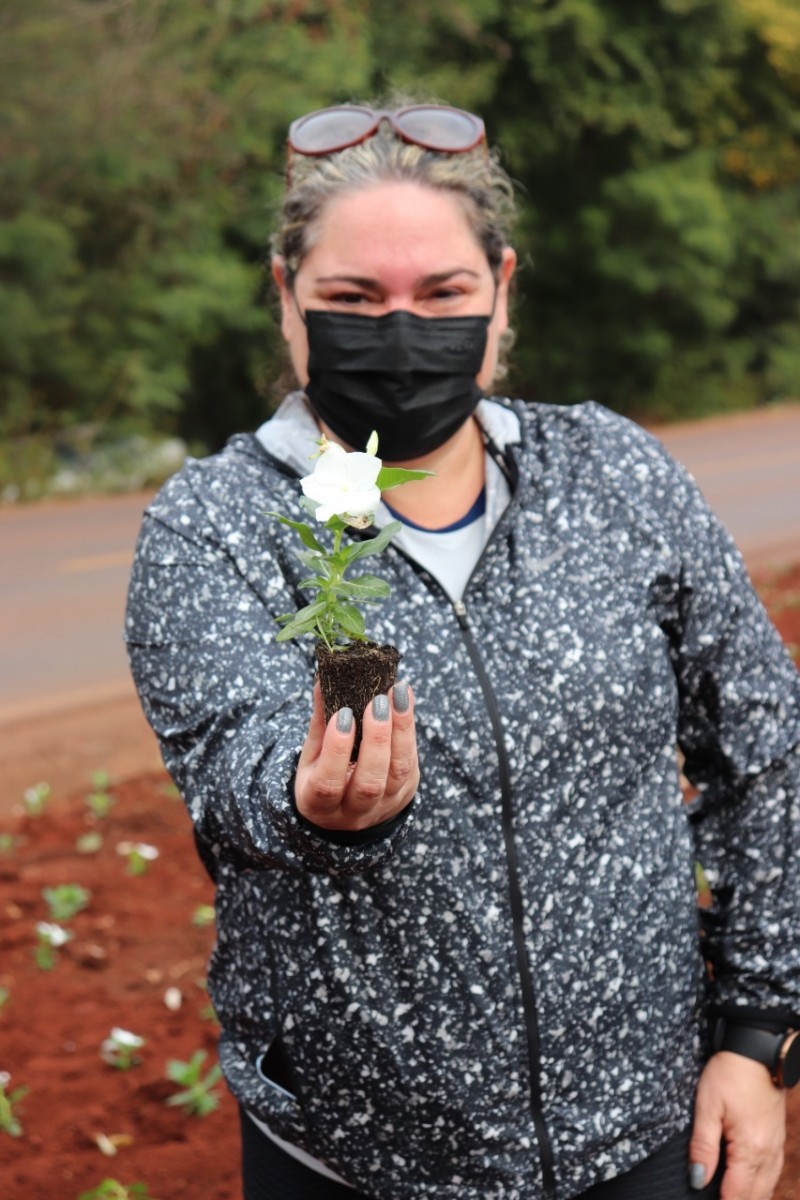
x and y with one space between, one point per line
316 730
704 1147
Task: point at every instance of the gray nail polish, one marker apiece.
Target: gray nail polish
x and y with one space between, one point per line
344 720
400 697
380 708
697 1176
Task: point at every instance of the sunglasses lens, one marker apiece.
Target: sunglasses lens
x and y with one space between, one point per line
331 128
447 129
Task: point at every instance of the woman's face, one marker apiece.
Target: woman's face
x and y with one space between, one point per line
395 246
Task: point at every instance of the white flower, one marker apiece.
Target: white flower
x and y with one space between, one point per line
344 485
124 1037
142 849
54 935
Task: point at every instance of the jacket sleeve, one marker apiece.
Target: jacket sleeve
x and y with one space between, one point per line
739 730
230 707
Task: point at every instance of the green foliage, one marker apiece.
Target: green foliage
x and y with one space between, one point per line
9 1106
35 799
100 800
334 616
657 148
112 1189
197 1096
203 915
66 900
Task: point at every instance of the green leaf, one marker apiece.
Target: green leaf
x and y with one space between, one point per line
311 611
313 581
315 560
350 619
373 545
365 587
392 477
305 532
295 630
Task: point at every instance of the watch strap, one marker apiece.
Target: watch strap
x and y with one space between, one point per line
774 1050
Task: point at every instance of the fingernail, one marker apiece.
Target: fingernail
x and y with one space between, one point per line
344 720
380 708
400 697
697 1176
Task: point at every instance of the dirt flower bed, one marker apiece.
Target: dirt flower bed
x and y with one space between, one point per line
135 961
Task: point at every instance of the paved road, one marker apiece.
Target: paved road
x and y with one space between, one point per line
65 565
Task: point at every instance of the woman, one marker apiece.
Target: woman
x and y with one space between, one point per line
471 967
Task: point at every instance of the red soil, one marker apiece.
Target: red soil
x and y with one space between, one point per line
134 940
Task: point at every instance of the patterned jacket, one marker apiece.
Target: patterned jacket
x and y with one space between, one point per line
499 995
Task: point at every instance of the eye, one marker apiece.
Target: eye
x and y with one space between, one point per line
348 299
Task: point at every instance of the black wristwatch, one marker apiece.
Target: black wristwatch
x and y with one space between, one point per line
779 1052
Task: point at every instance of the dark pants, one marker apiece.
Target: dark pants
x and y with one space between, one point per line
270 1174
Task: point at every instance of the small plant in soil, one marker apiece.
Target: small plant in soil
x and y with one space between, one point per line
120 1048
51 938
343 492
9 1106
35 799
197 1096
8 844
203 915
66 900
139 856
99 800
89 843
112 1189
5 996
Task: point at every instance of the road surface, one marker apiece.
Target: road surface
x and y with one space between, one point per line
66 564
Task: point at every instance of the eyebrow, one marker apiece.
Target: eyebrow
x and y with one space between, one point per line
428 280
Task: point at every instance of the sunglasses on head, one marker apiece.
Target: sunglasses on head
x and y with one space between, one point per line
432 126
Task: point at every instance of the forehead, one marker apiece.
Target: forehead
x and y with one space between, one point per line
389 224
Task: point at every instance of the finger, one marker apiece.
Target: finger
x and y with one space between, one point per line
705 1143
403 769
367 789
752 1171
316 729
738 1182
320 787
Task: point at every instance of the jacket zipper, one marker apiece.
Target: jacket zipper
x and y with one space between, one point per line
517 908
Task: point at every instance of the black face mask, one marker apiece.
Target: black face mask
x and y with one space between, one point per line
410 378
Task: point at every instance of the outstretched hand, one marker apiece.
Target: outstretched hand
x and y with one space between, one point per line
737 1101
334 793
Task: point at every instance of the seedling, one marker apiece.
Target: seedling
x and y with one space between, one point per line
66 900
119 1049
203 915
51 939
89 843
9 1101
100 800
4 998
112 1189
207 1012
139 856
35 799
8 843
197 1096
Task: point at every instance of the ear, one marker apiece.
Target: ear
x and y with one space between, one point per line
287 299
508 265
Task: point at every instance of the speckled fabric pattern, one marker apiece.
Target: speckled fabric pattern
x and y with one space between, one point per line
611 618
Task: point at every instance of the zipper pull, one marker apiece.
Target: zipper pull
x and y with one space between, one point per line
460 609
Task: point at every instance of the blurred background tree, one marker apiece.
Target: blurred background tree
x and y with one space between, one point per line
657 149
